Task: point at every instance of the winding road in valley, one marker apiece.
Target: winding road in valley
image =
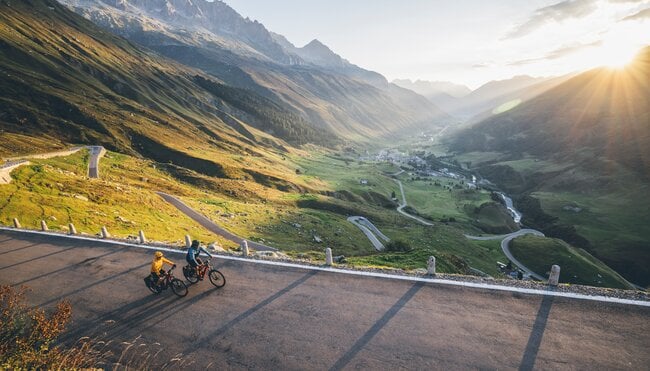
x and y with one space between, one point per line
282 317
505 239
505 246
404 204
369 230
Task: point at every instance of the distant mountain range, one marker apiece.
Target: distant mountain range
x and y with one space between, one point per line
490 98
604 110
324 89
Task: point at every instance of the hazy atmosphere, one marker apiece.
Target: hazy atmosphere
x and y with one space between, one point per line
324 184
467 41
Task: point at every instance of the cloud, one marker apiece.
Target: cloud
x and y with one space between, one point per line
481 65
558 53
564 51
557 12
638 16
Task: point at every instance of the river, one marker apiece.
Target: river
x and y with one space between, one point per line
516 215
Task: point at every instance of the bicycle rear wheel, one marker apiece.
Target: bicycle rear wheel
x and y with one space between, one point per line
190 274
179 287
217 278
152 285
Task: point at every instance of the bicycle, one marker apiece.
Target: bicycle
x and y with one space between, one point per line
178 287
216 278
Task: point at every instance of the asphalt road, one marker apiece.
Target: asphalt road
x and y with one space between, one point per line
96 152
505 247
210 225
404 204
357 220
281 318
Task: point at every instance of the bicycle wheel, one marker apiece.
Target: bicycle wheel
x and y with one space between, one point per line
152 286
217 278
179 287
190 274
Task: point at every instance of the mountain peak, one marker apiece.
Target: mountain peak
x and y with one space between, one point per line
316 44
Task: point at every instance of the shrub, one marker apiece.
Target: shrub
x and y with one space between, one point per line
398 246
27 336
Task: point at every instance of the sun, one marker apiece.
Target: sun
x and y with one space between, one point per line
616 54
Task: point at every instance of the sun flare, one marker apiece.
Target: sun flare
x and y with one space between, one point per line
616 54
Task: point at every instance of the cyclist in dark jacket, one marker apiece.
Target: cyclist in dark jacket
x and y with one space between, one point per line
193 253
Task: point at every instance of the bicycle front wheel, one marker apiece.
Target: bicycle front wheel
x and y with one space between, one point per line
178 287
217 278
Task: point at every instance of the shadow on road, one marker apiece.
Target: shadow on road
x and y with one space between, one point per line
221 330
535 339
99 282
40 257
16 249
147 311
67 267
365 339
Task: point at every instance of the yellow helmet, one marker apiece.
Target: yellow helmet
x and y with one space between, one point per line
158 254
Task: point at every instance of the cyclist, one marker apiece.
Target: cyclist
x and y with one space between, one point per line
157 271
192 256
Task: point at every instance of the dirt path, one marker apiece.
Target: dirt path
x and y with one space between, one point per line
270 317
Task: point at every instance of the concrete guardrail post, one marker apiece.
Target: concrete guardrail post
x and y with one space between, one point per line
431 266
328 257
188 241
554 277
72 229
105 233
44 226
16 223
244 248
141 238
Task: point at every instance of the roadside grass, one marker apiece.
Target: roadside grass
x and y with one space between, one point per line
577 266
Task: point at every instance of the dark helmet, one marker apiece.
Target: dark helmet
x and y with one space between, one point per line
195 243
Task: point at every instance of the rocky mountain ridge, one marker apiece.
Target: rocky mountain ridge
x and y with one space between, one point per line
313 82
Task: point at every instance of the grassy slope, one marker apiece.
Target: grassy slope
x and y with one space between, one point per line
613 212
57 190
577 266
438 201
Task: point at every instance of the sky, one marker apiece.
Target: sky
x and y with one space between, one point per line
463 41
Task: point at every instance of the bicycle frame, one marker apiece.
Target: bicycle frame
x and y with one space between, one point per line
203 268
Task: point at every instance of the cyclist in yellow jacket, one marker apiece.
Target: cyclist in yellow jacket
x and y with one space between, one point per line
157 271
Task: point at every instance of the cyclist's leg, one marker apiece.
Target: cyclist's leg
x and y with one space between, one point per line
161 275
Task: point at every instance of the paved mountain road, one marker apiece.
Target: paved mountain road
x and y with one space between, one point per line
271 317
505 247
210 225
